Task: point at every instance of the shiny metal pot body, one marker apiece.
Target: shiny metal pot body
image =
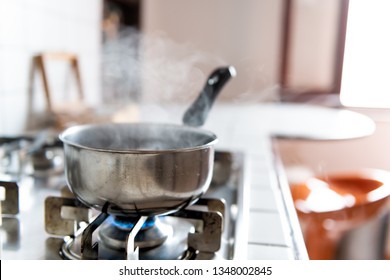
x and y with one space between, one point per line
138 169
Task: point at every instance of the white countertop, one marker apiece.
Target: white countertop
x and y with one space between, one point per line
274 231
280 119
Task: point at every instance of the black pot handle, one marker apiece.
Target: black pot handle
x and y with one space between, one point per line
197 113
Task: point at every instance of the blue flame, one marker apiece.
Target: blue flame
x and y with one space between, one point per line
130 223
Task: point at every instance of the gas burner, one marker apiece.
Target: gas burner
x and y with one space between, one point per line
193 233
159 241
40 156
45 163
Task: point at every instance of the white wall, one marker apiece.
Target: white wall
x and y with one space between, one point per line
28 27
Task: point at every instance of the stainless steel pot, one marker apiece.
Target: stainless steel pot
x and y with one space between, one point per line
143 168
138 168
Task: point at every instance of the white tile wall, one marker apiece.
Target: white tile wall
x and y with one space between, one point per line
266 228
28 27
263 200
264 252
270 230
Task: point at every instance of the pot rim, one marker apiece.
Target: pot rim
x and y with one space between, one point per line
78 128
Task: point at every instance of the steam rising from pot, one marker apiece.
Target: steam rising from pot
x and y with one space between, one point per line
138 67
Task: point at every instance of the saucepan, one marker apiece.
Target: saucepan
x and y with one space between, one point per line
144 169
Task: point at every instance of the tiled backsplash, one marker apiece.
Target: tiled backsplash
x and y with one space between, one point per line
29 27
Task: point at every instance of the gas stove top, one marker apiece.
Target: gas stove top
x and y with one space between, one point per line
41 219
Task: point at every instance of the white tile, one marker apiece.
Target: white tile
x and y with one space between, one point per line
88 37
263 200
260 170
262 252
11 23
260 179
261 156
69 7
266 229
40 4
54 39
91 10
13 114
35 21
14 70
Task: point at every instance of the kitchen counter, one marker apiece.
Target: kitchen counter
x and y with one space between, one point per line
273 227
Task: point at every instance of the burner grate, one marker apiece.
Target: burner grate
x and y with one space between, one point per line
188 233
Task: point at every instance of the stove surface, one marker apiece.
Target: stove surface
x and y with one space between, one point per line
23 236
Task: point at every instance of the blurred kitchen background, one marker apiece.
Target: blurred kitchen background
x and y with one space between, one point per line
129 52
132 51
280 48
